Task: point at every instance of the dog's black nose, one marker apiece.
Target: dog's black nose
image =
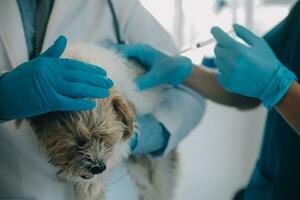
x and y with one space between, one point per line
98 169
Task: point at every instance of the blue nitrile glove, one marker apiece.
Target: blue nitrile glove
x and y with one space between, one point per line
149 136
162 69
134 139
252 70
48 83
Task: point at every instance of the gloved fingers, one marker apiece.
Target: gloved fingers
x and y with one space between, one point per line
82 66
228 54
139 52
147 81
123 49
145 54
80 90
223 66
57 49
224 74
70 104
222 38
133 141
245 34
88 78
222 80
129 51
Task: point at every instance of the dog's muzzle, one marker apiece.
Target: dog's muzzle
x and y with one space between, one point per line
94 170
98 169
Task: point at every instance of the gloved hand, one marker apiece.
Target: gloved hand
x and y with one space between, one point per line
132 143
149 136
48 83
252 70
162 69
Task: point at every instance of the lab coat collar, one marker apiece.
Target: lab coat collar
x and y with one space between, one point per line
61 16
12 33
59 11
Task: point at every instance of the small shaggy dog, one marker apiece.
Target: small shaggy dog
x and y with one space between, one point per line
86 146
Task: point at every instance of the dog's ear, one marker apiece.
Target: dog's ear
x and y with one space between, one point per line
125 111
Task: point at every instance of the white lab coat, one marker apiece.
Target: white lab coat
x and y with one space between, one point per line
24 170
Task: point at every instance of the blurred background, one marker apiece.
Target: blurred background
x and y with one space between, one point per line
218 157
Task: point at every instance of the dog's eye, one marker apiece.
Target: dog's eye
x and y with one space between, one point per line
81 142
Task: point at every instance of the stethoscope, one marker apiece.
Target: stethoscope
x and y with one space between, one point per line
115 26
115 23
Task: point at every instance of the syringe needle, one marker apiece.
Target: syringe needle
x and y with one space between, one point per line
205 43
196 46
209 41
186 50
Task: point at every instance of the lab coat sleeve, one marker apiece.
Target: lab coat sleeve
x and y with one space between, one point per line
182 109
139 26
180 113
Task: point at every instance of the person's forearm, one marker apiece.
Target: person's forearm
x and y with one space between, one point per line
289 107
205 83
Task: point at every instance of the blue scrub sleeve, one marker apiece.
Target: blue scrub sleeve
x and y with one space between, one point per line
274 38
2 120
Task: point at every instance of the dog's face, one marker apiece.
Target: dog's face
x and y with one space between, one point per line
87 143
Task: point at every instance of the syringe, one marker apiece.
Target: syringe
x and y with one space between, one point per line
202 44
198 45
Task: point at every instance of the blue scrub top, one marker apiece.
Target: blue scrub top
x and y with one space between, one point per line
277 172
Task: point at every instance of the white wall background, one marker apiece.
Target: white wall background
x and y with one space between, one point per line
218 157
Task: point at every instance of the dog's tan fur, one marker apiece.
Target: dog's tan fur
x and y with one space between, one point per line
77 141
86 136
